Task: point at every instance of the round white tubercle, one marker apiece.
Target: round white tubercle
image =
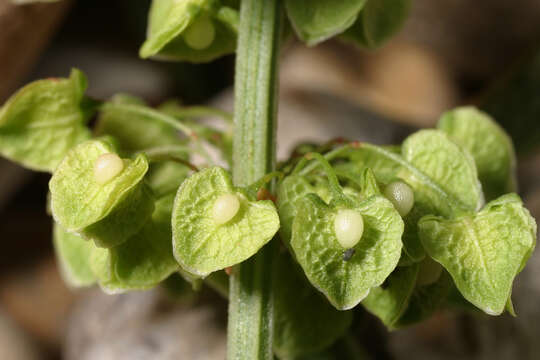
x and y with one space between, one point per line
348 228
200 34
225 208
107 167
401 195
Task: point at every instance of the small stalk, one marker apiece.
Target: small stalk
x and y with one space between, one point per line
250 328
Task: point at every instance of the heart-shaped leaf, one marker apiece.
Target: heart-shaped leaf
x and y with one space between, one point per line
190 30
453 168
425 300
347 280
136 128
491 148
483 252
297 331
142 261
43 120
319 20
389 302
379 20
440 173
108 213
73 256
133 126
290 192
208 236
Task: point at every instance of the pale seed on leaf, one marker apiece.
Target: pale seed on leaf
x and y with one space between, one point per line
348 228
225 208
200 34
107 167
401 196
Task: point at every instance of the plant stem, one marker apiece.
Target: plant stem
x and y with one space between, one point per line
250 329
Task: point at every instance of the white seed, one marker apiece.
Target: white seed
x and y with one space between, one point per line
225 208
348 228
401 195
430 271
200 34
107 167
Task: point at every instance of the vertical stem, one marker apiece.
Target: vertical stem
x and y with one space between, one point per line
250 328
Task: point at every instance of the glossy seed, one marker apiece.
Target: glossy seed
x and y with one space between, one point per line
348 228
107 167
225 208
401 195
200 34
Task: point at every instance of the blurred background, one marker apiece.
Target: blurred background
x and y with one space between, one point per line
450 52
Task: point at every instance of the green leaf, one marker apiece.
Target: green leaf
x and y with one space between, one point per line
426 300
170 21
318 20
379 21
304 321
73 256
43 120
346 283
146 258
483 252
444 180
141 262
430 194
385 168
290 191
488 143
200 244
134 130
106 213
433 153
389 302
369 185
166 177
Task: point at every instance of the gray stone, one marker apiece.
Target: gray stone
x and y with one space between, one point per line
143 325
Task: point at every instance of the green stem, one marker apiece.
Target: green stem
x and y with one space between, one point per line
250 329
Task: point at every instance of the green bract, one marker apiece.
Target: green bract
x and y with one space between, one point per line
379 20
388 303
402 301
318 20
453 168
166 177
134 126
73 256
192 30
490 146
304 322
483 252
442 176
425 300
346 282
142 261
106 213
202 246
43 120
290 191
